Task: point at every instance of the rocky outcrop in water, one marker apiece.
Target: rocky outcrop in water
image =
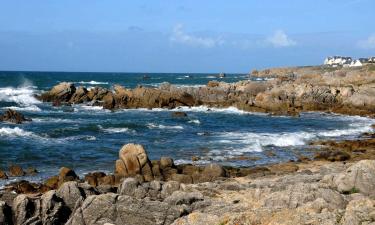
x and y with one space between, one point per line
342 92
13 116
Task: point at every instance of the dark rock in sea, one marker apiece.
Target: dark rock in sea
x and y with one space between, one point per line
16 171
332 155
59 93
3 175
13 116
31 171
179 114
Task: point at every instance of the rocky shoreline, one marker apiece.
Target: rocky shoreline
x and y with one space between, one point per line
325 190
340 91
335 186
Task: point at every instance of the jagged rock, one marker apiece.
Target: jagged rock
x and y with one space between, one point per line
361 211
13 116
360 177
61 92
52 182
125 210
198 218
16 171
5 214
79 96
128 186
70 192
93 178
108 101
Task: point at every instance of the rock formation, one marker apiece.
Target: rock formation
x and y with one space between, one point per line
13 116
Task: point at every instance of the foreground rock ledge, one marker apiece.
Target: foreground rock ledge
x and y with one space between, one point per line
340 91
318 193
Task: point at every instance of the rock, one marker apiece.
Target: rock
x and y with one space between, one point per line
134 158
125 210
360 177
128 186
3 175
198 218
31 171
5 214
70 192
332 155
52 182
195 158
79 96
284 168
93 178
166 162
108 101
24 187
13 116
169 187
179 114
61 92
359 212
182 178
213 171
66 174
16 171
180 197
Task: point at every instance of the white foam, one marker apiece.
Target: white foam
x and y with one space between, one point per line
160 126
15 132
355 130
33 108
23 96
93 82
194 121
118 130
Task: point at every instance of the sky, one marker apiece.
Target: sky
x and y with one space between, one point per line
181 35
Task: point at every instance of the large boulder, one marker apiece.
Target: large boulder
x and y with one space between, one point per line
13 116
134 160
71 193
5 214
360 177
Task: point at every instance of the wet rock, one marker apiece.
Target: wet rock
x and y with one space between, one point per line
179 114
79 96
52 182
360 177
13 116
108 101
61 92
195 158
3 175
66 174
31 171
16 171
332 155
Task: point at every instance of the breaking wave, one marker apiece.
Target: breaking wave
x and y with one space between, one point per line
159 126
93 82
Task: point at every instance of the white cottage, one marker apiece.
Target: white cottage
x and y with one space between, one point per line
337 60
355 63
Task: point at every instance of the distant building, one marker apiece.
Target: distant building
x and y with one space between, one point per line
338 61
371 60
355 63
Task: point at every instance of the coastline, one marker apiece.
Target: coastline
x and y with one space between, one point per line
213 194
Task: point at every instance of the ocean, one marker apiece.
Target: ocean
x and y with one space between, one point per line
88 138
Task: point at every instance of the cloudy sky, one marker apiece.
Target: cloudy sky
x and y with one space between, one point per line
181 35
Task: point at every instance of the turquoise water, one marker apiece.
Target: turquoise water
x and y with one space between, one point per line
88 138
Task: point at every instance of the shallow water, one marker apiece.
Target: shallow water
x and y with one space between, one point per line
88 138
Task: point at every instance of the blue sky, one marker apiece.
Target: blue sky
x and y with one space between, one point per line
180 36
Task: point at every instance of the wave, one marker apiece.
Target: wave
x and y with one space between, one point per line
118 130
159 126
93 82
32 108
23 96
194 121
16 132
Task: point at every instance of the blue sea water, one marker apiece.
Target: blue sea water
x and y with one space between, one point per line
88 138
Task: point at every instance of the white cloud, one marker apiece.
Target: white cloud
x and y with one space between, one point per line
369 43
280 39
179 36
